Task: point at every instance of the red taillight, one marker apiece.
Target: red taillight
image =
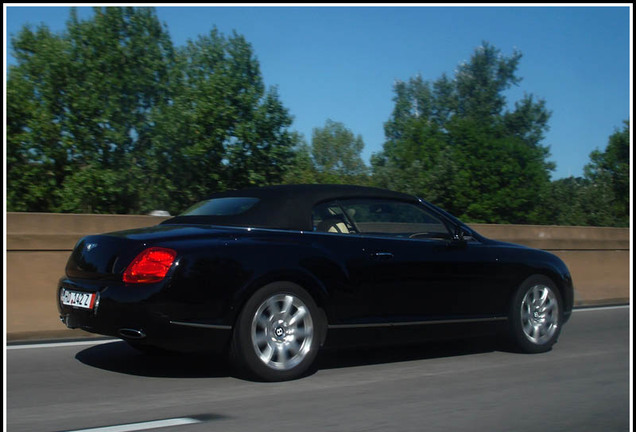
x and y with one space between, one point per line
150 266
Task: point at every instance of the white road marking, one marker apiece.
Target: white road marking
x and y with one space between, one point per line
60 344
143 425
600 308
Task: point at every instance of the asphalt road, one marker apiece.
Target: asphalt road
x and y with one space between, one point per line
583 384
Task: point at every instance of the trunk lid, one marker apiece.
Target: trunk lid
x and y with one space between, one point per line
106 256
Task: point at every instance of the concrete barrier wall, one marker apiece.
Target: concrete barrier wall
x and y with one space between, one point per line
39 244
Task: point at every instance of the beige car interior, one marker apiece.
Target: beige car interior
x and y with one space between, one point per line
335 223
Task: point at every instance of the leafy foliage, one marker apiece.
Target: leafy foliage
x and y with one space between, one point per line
609 171
454 142
602 196
109 117
333 157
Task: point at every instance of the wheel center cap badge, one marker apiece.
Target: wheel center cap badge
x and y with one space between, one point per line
279 332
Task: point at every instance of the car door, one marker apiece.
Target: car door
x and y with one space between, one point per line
411 269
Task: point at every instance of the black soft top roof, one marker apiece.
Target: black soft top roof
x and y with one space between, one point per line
286 207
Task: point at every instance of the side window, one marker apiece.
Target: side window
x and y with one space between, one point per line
394 219
330 218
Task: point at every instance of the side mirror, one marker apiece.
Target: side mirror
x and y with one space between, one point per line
460 236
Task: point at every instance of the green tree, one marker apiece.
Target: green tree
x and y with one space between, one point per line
336 152
601 197
36 146
334 156
566 202
608 173
455 142
302 169
109 117
86 95
222 129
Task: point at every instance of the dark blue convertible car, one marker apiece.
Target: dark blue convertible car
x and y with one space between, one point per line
272 274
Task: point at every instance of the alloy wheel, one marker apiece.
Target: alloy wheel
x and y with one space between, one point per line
282 331
539 314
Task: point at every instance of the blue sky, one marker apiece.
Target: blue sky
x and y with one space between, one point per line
340 63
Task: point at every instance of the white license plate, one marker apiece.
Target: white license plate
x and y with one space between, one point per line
77 299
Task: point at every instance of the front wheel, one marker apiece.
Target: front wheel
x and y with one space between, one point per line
277 335
536 315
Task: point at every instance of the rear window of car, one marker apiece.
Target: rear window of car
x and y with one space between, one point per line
228 206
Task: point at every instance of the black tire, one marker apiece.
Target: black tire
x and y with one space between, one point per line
277 334
536 315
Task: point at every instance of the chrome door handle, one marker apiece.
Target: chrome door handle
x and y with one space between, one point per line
382 255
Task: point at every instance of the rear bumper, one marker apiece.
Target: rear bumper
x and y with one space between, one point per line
141 315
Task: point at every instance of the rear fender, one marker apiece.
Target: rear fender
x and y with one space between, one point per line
303 279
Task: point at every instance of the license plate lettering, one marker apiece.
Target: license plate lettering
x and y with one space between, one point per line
77 299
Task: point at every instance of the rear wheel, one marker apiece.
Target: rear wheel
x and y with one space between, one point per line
277 335
536 315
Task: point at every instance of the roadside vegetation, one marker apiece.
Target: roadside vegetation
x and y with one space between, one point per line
110 117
